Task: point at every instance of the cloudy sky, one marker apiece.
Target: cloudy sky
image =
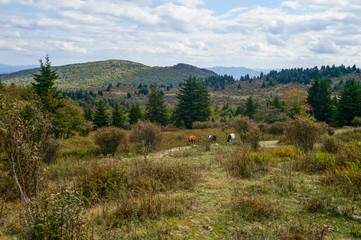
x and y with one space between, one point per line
204 33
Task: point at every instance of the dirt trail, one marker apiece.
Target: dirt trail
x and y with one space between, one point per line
269 144
166 152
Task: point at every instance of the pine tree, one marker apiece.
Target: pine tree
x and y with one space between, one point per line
135 114
44 86
193 103
155 109
250 108
319 97
349 105
101 118
45 79
88 114
117 116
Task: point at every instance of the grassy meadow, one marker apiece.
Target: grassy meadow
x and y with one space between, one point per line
201 191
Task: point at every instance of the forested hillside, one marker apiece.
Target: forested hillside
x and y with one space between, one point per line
103 73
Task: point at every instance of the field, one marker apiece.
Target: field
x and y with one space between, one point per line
201 191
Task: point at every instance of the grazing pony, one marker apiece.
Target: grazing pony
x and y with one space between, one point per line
212 137
231 137
192 139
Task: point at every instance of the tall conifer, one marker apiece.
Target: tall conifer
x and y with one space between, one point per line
156 110
101 118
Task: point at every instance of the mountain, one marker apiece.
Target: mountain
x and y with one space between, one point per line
237 72
6 69
103 73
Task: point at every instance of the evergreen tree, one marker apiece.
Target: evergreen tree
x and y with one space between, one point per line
193 103
44 86
101 118
349 105
319 97
276 103
155 109
134 114
88 114
117 116
44 81
250 108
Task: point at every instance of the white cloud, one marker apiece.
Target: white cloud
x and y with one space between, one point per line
298 32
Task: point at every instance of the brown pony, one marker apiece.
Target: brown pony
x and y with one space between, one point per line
192 139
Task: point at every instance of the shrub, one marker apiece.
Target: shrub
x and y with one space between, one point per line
87 127
330 145
304 133
147 134
247 130
50 150
58 216
277 128
109 138
356 121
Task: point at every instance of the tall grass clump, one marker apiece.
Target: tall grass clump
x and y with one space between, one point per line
242 164
251 206
150 205
318 162
102 178
109 138
304 133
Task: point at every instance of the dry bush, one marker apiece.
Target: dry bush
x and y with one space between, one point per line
349 136
252 207
147 134
50 150
277 128
304 133
330 145
109 138
148 205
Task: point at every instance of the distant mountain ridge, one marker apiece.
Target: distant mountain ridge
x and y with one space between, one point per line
6 69
103 73
237 72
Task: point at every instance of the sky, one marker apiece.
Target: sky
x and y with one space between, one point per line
205 33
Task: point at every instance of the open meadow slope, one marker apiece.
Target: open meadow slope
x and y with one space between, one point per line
103 73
